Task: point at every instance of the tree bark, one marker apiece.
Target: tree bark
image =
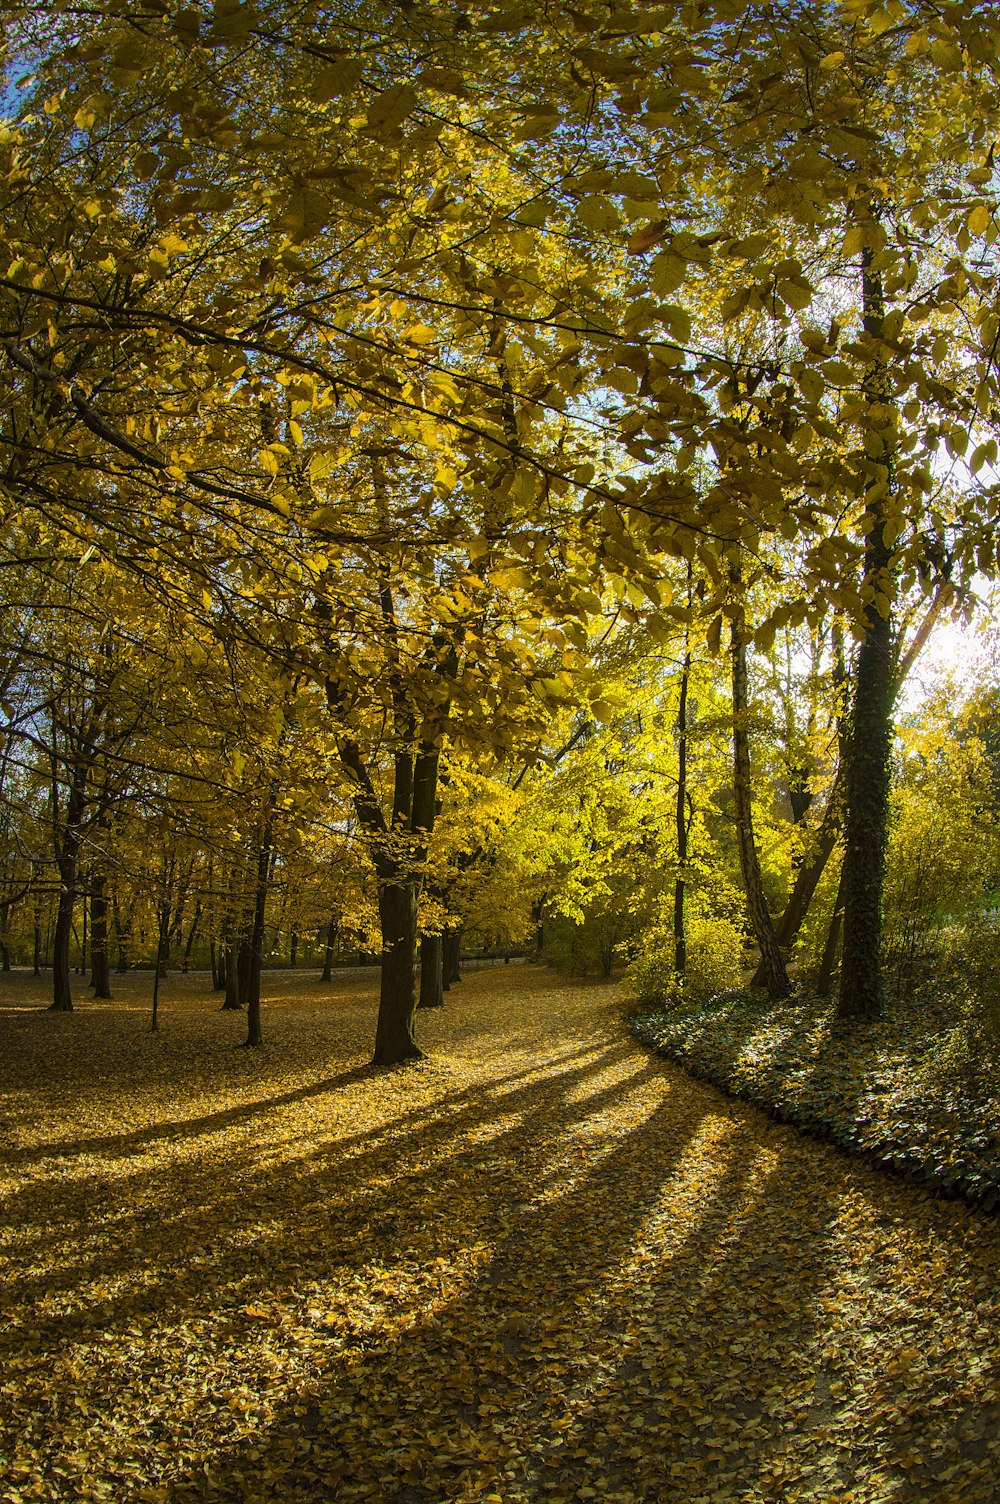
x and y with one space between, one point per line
453 955
192 932
862 991
231 964
775 977
81 969
100 969
254 1035
162 932
62 986
331 941
681 817
123 934
824 981
809 873
244 956
431 972
394 1037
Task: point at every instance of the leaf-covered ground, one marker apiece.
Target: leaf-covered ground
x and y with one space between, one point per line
544 1266
914 1093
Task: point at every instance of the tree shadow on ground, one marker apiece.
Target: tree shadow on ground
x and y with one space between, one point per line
578 1271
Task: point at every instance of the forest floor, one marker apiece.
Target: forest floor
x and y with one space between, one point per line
543 1265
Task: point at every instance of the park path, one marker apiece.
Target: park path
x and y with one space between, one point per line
543 1265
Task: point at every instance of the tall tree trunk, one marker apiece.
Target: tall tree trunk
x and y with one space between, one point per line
775 977
123 934
244 962
538 919
231 964
453 954
62 987
808 876
159 970
331 941
681 817
100 969
293 949
431 972
5 913
192 932
824 981
394 1038
415 794
862 993
810 871
254 1034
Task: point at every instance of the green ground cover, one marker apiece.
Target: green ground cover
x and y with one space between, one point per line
915 1093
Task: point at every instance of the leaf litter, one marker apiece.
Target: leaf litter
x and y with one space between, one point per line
539 1266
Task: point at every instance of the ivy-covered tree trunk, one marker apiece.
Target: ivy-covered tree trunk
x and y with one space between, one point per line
870 726
431 972
866 826
773 966
681 816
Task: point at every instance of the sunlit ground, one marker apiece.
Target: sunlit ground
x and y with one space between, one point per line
543 1266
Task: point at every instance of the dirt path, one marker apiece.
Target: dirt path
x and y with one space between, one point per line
543 1266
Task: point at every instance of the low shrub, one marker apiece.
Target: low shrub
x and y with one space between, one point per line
715 960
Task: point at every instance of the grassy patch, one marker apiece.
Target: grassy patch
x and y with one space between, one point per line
917 1092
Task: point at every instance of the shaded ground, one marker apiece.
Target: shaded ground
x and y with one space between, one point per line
544 1266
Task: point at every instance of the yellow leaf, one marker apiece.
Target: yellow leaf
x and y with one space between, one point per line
338 78
748 248
979 220
389 109
854 240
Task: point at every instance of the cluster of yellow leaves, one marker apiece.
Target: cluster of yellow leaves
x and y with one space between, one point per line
543 1267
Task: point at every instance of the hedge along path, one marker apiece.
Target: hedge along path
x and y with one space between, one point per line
544 1265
